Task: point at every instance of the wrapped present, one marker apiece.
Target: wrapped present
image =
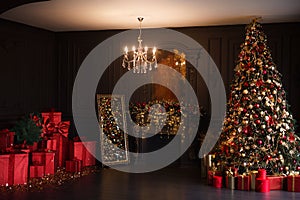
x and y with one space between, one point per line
33 147
262 174
73 165
42 144
62 148
50 121
211 174
277 182
79 151
217 181
50 163
231 182
243 182
14 168
52 117
6 139
262 185
36 171
253 175
45 159
63 128
293 183
231 178
52 144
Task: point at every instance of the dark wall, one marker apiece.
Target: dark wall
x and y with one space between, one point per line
222 43
28 71
39 67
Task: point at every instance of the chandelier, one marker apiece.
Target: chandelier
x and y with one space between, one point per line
140 60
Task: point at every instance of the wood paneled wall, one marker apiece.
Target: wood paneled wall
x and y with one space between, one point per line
38 67
28 71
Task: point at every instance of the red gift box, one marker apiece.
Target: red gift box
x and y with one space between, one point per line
52 117
63 128
46 159
217 181
293 183
262 174
14 168
51 144
73 165
37 171
62 148
262 185
79 151
50 121
6 139
278 182
243 182
211 174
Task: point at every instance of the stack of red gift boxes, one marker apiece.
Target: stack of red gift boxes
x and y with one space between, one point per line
257 181
54 151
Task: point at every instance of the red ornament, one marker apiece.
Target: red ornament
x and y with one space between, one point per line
257 121
255 116
269 157
257 105
246 84
281 169
292 137
264 72
259 142
259 82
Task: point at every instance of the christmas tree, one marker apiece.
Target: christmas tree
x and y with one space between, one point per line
259 129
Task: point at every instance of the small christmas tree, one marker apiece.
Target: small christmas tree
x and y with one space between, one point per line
259 129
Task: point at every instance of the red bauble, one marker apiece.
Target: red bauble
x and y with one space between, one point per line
246 84
259 142
257 121
257 105
264 72
269 157
255 116
281 169
292 137
259 82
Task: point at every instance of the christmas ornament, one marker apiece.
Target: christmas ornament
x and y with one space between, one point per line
264 127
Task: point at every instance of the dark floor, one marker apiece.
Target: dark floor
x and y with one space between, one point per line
173 183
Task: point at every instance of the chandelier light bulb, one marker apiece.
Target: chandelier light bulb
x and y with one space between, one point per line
139 60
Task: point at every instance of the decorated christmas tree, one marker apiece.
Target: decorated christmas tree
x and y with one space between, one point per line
259 129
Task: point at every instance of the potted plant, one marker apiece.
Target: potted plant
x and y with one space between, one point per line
28 130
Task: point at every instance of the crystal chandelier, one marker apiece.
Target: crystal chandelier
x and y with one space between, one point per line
139 59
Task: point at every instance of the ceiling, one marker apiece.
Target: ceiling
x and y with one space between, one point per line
76 15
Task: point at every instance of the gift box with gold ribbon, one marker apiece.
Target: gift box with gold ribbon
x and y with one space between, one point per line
293 183
277 182
243 182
